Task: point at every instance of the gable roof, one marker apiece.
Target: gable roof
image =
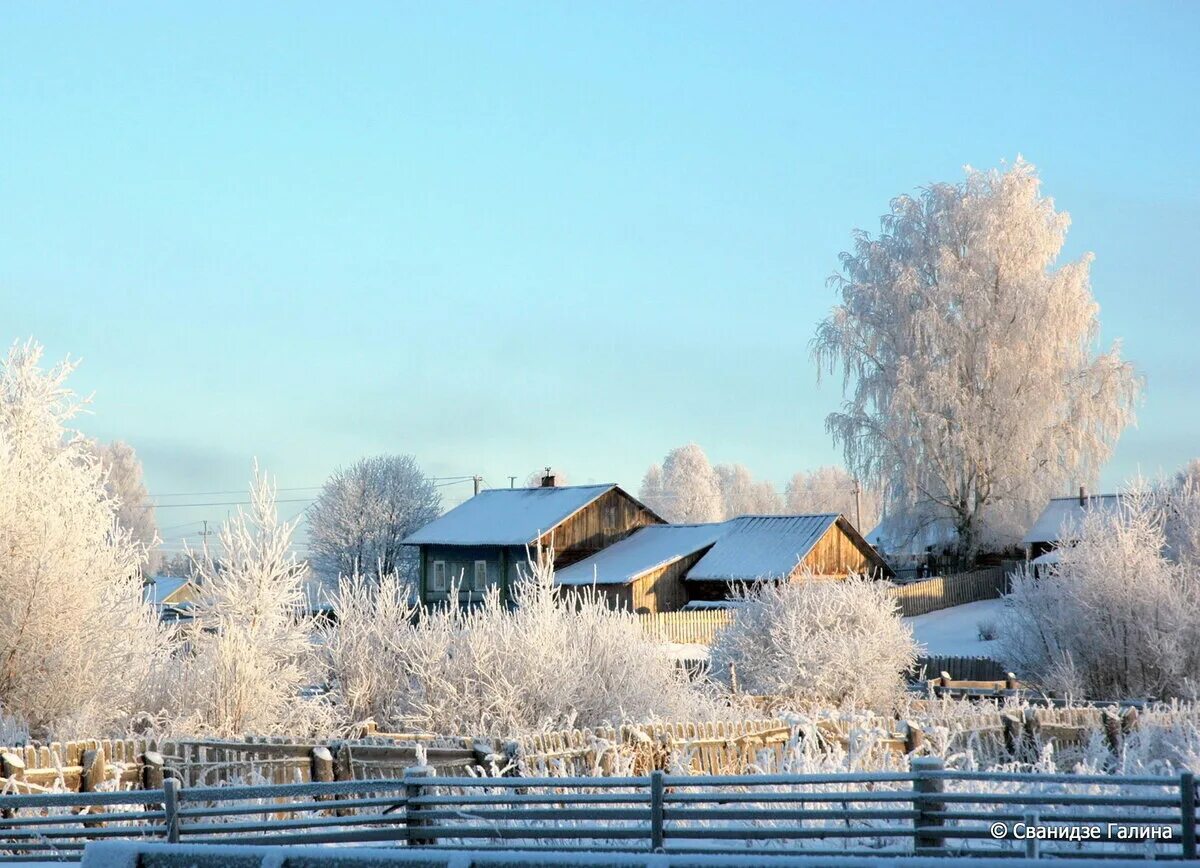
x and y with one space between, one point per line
169 591
507 516
1064 513
762 547
647 549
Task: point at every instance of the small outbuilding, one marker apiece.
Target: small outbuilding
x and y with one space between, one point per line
666 568
1061 519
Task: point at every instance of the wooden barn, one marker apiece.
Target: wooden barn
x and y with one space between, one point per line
482 542
666 567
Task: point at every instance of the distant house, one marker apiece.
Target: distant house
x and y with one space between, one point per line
667 567
172 596
1060 520
483 541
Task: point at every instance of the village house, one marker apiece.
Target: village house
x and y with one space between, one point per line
664 568
1058 523
484 541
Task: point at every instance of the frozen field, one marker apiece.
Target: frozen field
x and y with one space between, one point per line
955 631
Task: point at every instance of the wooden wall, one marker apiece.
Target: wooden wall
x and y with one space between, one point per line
662 590
606 520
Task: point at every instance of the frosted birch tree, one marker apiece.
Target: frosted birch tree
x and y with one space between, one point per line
970 358
650 492
123 481
363 513
78 646
252 655
741 494
689 491
832 489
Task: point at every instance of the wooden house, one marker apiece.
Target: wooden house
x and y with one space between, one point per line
665 568
484 541
1060 520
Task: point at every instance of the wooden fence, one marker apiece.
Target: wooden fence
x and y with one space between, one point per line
86 766
959 668
925 811
930 595
687 628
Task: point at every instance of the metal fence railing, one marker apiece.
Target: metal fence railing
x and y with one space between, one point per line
927 811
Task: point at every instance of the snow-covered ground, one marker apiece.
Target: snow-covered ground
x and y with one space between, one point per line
955 631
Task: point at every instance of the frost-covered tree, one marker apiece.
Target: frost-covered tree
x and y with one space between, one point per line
741 494
976 388
818 642
78 646
689 491
1119 615
252 655
546 664
364 512
1189 475
831 489
123 481
651 490
534 479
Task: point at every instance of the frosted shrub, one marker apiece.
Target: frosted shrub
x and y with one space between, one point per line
251 653
988 630
818 641
1117 617
548 663
78 646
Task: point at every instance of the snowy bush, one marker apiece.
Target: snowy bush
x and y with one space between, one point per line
1119 615
251 652
548 663
818 641
988 629
79 649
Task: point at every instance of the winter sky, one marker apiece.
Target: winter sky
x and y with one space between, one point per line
503 235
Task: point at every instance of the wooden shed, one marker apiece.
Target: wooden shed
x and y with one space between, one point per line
661 569
484 541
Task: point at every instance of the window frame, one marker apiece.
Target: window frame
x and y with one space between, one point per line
476 585
434 584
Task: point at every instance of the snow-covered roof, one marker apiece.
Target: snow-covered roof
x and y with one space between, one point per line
644 550
761 547
1050 557
160 590
711 605
900 538
507 516
1064 513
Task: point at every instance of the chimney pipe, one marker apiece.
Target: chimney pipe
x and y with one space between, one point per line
548 480
1082 496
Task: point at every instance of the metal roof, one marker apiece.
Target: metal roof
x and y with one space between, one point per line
1062 515
507 516
761 547
644 550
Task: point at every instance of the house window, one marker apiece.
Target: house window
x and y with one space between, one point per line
438 582
480 578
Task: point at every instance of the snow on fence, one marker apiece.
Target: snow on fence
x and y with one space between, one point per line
917 598
90 765
924 811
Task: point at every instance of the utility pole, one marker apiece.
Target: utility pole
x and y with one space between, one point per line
858 505
477 480
512 482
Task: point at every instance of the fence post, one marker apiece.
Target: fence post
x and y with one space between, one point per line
321 769
914 737
13 768
1187 804
171 809
413 790
657 792
1031 843
927 841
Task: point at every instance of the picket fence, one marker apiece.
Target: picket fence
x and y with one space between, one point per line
925 811
91 765
916 598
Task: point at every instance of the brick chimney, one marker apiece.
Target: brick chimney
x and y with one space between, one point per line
1082 496
548 479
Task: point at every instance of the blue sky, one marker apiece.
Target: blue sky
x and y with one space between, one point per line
499 236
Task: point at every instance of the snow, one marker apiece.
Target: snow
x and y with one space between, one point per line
761 546
507 516
1063 514
955 631
645 550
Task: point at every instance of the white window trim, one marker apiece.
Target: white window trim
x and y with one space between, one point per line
434 583
477 585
